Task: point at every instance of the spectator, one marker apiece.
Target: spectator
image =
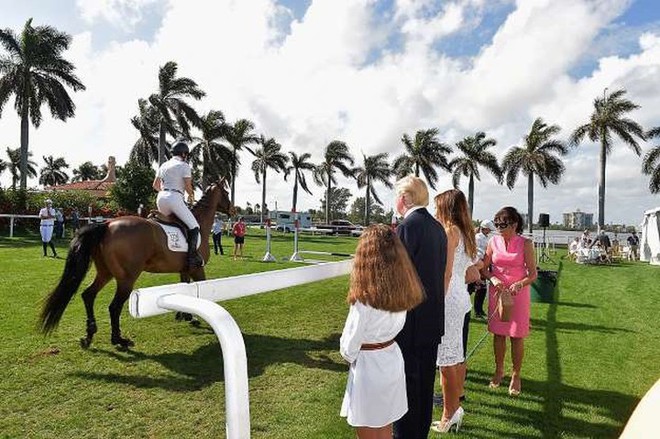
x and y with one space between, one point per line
480 287
426 243
75 220
216 230
573 248
47 216
633 242
384 285
511 266
59 224
239 237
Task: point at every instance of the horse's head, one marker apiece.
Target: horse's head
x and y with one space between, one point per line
224 203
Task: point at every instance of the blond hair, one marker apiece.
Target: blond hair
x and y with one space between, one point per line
414 191
383 276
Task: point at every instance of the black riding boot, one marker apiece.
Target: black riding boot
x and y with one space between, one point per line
194 258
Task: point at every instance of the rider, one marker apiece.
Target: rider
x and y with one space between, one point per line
174 177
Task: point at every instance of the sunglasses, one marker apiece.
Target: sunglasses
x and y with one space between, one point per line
502 225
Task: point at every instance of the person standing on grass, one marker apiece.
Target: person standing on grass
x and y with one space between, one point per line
75 220
216 230
384 286
510 265
633 242
426 242
239 237
480 287
47 216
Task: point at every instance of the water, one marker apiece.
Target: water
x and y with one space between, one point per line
564 237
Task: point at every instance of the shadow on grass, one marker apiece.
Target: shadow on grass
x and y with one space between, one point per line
204 366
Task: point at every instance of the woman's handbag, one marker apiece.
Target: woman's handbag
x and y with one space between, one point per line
505 305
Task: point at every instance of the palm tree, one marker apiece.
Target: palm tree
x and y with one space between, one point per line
15 166
171 105
239 135
147 122
52 174
336 157
86 171
375 169
37 74
607 118
651 163
425 153
299 164
475 154
267 156
214 158
535 157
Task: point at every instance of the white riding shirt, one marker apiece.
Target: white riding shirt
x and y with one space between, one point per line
172 173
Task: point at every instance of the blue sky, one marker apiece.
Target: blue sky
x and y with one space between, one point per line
308 72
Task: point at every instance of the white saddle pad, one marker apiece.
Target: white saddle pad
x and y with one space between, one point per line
176 241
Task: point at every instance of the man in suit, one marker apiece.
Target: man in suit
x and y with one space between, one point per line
426 242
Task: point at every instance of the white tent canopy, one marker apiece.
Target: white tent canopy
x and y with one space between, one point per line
649 245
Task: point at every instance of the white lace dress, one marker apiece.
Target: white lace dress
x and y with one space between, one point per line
457 304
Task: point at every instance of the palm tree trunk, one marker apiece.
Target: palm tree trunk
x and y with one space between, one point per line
161 143
416 169
367 201
25 132
471 194
601 187
233 177
530 201
327 200
295 191
263 195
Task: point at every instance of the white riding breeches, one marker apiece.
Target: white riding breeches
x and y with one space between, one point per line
46 232
172 203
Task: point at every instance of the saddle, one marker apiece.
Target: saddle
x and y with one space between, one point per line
168 220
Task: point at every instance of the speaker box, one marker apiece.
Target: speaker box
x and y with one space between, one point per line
544 220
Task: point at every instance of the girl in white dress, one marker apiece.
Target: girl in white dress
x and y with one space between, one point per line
384 285
452 213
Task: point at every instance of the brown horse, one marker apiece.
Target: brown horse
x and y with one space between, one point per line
122 249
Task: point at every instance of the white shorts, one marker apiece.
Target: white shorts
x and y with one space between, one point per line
46 232
172 203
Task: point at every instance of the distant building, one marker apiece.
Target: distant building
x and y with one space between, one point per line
578 220
98 188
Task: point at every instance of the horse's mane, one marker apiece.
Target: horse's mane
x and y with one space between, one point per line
204 202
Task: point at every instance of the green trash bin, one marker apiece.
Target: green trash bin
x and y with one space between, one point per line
543 288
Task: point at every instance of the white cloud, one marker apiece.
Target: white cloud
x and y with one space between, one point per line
319 78
125 14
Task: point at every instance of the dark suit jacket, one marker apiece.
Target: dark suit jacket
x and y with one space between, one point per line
426 242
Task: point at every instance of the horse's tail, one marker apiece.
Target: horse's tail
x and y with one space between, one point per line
75 269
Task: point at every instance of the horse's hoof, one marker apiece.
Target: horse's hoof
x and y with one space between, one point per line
195 322
123 343
85 343
178 316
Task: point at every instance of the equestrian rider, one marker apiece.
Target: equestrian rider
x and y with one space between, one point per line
174 178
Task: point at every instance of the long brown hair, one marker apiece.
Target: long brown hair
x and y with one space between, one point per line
383 276
451 209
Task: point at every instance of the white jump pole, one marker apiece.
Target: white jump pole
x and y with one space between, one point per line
268 257
295 257
11 226
237 403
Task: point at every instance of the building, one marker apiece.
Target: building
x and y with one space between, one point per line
578 220
98 188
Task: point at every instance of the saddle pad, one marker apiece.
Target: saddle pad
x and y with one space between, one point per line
176 241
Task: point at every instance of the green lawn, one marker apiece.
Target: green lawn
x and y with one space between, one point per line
590 357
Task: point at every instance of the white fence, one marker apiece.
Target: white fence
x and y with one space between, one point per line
198 297
12 217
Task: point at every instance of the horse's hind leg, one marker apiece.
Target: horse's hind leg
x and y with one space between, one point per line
89 295
124 289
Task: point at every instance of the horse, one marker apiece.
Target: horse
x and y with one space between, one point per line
122 248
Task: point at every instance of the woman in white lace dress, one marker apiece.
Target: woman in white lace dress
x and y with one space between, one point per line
452 213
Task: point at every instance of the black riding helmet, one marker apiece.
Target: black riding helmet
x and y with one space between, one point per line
180 148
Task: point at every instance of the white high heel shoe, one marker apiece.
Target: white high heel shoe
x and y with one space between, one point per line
456 420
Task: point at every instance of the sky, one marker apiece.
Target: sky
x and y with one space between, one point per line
365 72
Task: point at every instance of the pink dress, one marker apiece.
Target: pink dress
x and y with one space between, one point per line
508 265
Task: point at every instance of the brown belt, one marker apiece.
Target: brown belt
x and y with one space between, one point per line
376 346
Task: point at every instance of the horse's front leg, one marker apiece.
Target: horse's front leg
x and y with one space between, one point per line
121 295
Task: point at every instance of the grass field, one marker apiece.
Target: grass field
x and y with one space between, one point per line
591 356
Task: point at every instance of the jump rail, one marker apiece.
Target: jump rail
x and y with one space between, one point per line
197 298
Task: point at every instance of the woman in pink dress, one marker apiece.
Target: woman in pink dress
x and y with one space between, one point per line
511 265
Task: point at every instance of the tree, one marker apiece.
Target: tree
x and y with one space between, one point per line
133 186
35 71
299 164
170 103
425 153
535 157
147 122
52 174
651 163
339 197
267 156
374 169
376 212
239 135
213 157
475 154
87 171
3 166
609 118
15 166
336 157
